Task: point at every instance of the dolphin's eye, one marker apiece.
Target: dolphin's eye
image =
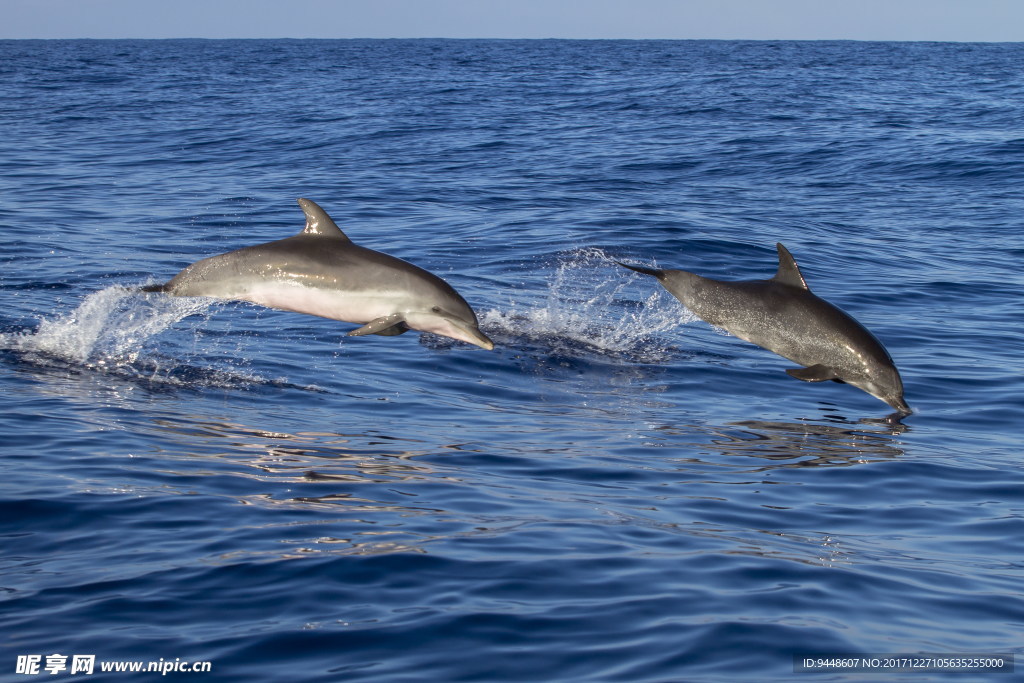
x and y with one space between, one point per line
435 309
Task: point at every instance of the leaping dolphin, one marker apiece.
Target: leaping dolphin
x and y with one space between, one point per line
320 271
783 316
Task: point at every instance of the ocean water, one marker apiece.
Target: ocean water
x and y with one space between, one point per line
617 492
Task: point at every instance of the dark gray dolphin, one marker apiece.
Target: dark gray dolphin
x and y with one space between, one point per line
783 316
320 271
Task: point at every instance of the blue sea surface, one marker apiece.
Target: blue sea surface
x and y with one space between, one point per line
618 491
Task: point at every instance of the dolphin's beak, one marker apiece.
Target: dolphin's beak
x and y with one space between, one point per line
900 405
478 338
470 334
450 326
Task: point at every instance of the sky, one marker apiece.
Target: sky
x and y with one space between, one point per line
947 20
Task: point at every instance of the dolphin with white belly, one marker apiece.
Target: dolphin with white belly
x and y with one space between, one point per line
321 272
783 316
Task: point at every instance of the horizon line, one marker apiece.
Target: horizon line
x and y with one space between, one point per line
551 38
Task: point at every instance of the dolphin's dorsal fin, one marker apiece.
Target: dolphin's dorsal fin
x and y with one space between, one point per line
318 222
788 272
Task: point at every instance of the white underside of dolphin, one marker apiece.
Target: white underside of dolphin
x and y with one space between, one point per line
321 272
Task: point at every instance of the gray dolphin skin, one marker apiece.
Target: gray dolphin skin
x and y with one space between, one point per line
783 316
321 272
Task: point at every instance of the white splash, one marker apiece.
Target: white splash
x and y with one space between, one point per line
114 332
108 329
592 308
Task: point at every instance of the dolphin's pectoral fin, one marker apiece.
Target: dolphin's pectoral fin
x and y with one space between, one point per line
396 329
386 326
815 373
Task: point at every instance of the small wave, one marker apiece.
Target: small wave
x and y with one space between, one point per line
588 312
111 333
108 329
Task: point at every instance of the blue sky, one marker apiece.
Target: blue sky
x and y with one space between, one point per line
957 20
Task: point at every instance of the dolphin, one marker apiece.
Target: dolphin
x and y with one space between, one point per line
783 316
320 271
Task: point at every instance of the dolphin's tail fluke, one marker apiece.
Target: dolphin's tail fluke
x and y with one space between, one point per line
153 288
646 271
